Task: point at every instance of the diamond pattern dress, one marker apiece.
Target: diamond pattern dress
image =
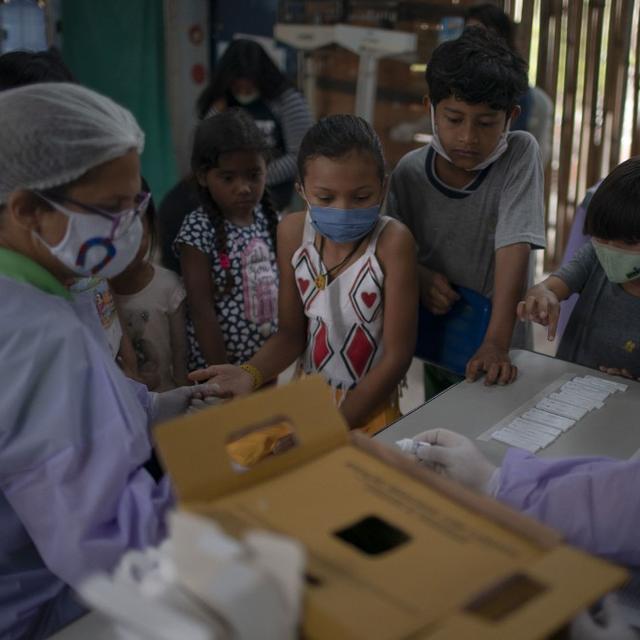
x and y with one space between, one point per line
345 318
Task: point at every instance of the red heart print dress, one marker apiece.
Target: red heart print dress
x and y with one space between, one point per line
344 329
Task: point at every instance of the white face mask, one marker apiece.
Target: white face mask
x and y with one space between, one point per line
99 244
246 98
499 149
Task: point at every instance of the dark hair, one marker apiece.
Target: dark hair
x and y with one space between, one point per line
614 210
494 19
20 68
336 136
231 130
242 59
478 67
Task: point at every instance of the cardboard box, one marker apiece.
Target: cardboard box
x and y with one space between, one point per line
395 550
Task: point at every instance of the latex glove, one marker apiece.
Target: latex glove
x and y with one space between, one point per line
456 457
169 404
200 404
611 624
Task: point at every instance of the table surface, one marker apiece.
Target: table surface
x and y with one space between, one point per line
472 408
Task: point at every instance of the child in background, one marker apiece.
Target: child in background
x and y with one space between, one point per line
473 197
603 330
348 286
150 300
227 246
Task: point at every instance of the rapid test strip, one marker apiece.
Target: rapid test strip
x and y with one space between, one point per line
551 419
561 409
573 398
513 440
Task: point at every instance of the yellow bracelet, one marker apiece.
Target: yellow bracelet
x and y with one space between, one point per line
255 373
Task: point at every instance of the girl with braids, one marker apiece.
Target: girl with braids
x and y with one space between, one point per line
227 246
348 293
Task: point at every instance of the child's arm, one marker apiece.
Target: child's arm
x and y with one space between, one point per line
288 343
196 272
512 263
178 338
126 357
541 303
397 255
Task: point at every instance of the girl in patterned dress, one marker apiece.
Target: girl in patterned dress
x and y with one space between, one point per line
227 246
348 287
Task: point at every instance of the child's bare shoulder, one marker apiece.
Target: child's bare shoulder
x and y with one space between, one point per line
291 228
395 239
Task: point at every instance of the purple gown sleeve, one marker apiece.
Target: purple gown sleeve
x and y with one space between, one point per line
72 455
593 501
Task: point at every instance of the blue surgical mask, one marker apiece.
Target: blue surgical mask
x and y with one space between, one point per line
343 225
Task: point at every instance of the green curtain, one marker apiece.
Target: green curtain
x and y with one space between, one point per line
117 48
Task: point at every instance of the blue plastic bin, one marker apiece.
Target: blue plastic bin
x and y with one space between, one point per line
449 341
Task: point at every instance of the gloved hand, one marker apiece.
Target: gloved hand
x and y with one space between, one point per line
200 404
169 404
611 624
456 457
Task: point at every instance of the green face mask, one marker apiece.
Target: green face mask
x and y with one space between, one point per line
620 265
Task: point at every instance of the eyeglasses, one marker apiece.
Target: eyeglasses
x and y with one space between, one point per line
121 221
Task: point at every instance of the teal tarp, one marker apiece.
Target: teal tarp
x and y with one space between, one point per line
117 48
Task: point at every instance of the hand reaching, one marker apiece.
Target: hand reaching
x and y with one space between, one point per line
542 306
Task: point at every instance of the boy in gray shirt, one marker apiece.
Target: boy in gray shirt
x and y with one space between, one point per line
603 331
473 197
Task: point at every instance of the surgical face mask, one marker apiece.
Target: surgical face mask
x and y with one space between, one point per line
343 225
619 265
246 98
498 150
99 243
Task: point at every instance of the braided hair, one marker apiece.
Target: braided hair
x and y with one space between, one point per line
226 132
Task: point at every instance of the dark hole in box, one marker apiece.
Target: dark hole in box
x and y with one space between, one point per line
373 536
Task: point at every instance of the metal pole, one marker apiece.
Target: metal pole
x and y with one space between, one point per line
366 86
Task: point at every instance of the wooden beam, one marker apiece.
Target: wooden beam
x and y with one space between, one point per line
565 168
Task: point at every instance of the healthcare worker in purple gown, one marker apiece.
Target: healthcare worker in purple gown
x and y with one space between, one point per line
585 499
592 501
74 432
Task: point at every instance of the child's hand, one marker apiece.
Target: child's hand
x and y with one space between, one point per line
436 292
612 371
540 305
496 364
229 380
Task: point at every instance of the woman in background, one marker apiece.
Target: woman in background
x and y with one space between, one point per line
246 77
